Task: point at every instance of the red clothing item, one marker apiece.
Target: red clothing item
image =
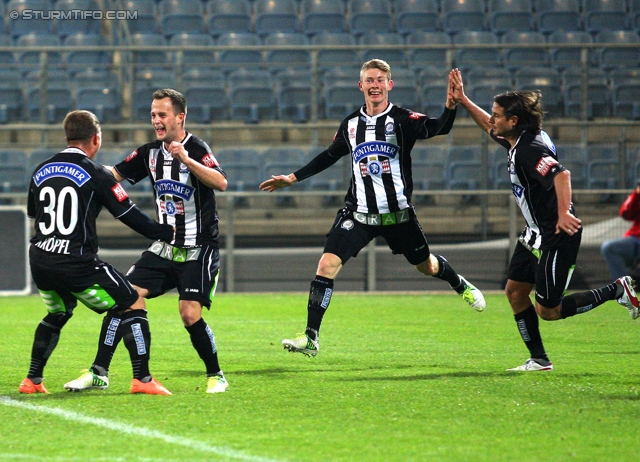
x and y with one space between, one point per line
630 211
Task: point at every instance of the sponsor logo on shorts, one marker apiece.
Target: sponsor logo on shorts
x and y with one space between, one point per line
119 192
545 164
347 224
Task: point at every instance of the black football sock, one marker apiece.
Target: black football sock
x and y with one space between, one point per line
446 273
204 342
527 321
319 299
110 336
44 342
137 338
586 301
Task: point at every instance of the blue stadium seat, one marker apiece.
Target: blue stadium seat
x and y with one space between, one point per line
429 168
463 15
206 96
280 59
251 95
473 57
331 179
232 59
571 152
482 93
558 15
111 157
276 16
435 57
80 60
611 56
293 91
90 77
104 102
548 81
23 25
332 57
578 169
517 57
322 16
146 21
146 81
634 12
563 57
157 58
494 75
77 24
282 161
605 15
7 58
194 58
405 90
464 175
341 97
510 15
13 174
625 86
417 16
181 17
433 95
229 16
598 98
38 156
394 56
499 168
370 15
30 60
243 168
56 100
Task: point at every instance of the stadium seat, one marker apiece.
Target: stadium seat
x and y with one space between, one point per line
605 15
229 16
146 81
571 152
12 104
473 57
194 58
417 16
76 25
482 93
104 102
7 58
251 95
419 58
463 15
181 17
206 95
146 21
341 98
634 12
598 98
38 156
394 56
32 26
405 90
510 15
232 59
489 75
243 168
611 56
603 174
548 81
282 161
558 15
293 91
578 169
322 16
13 174
90 77
625 87
331 58
81 60
276 16
433 94
51 103
332 179
370 15
464 175
157 58
563 57
30 60
280 59
517 57
429 168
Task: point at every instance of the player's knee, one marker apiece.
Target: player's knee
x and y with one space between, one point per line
329 266
548 314
429 267
57 319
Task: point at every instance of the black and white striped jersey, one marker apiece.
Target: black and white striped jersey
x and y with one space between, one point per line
66 194
182 200
380 149
533 165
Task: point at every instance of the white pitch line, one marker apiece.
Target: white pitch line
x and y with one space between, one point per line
133 430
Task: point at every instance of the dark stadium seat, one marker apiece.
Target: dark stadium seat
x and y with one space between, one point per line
56 101
420 58
562 57
332 57
80 60
611 56
23 26
429 168
38 156
321 16
146 81
605 15
146 21
625 86
548 81
417 16
370 15
341 98
181 17
276 16
482 92
281 59
194 58
206 95
471 57
433 94
12 103
517 57
511 15
394 56
13 174
251 95
282 161
243 168
558 15
405 91
229 16
156 58
75 24
634 12
7 58
464 175
578 169
293 91
598 95
30 60
460 16
332 179
104 102
232 59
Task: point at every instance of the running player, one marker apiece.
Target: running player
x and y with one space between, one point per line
378 137
546 252
66 195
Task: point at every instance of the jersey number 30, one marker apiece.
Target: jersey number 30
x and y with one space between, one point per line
57 210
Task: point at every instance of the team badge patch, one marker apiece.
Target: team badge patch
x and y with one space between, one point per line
347 224
131 156
210 161
545 164
416 115
119 192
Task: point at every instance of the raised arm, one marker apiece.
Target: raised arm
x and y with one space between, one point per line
479 115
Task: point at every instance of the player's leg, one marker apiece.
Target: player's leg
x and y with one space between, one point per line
520 283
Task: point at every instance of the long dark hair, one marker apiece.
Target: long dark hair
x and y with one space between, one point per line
526 106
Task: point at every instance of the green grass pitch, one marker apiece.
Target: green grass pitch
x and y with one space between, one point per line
398 378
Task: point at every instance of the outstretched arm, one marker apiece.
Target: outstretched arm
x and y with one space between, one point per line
479 115
278 181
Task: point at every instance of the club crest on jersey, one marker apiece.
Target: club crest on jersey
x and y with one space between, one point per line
119 192
172 208
181 190
545 165
72 172
347 224
372 148
389 128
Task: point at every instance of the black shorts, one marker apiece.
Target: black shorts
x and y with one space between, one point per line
195 279
348 236
97 284
551 273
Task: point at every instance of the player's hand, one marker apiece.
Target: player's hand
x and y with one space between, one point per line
177 151
568 223
456 87
277 182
